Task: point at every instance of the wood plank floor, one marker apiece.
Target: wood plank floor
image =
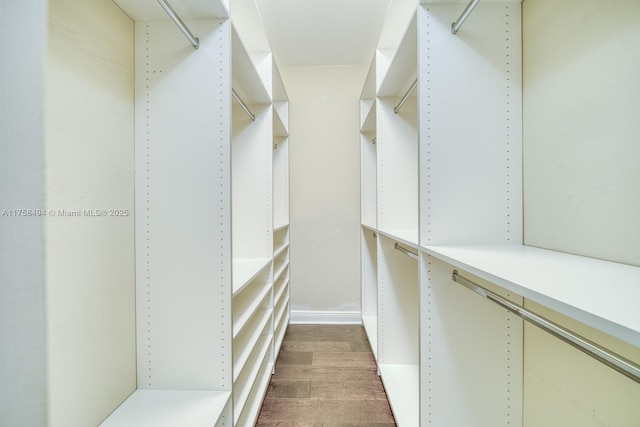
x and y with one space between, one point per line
325 376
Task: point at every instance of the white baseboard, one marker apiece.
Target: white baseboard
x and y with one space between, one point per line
308 317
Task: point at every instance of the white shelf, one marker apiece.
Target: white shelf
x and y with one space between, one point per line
280 268
243 354
371 328
401 383
250 378
243 318
281 309
280 291
406 237
280 247
403 69
150 10
281 330
280 228
368 124
247 269
246 79
169 408
250 413
601 294
279 126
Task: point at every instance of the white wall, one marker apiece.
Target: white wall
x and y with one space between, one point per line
581 105
89 164
325 186
22 284
581 108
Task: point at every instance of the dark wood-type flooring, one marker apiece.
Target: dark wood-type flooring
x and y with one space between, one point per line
325 376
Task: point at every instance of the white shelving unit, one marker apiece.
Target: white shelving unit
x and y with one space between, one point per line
213 232
448 180
397 141
369 274
398 331
281 290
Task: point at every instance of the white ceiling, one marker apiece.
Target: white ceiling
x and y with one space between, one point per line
323 32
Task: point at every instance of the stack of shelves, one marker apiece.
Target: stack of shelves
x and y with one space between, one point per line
212 242
281 289
448 186
368 206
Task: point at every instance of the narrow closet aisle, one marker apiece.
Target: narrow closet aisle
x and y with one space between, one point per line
331 213
326 377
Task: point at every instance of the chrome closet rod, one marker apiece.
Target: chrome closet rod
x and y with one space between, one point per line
609 358
465 14
406 251
176 19
243 105
405 97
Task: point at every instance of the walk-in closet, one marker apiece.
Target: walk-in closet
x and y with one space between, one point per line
191 190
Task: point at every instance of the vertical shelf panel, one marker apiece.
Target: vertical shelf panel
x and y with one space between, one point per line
397 157
370 287
471 126
472 354
398 345
183 268
368 187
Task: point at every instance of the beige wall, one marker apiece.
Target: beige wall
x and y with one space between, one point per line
581 128
89 165
581 104
325 186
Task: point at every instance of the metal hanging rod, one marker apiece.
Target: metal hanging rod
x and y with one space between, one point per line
465 14
243 105
405 97
406 251
176 19
609 358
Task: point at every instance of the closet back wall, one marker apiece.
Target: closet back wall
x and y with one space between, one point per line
89 164
325 188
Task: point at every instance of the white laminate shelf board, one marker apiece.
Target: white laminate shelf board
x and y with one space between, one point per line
601 294
245 353
245 389
246 79
281 291
280 247
247 269
279 128
150 10
169 408
244 318
278 228
280 268
279 91
369 121
282 110
370 324
371 228
403 70
280 331
369 88
252 407
402 384
281 309
406 237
